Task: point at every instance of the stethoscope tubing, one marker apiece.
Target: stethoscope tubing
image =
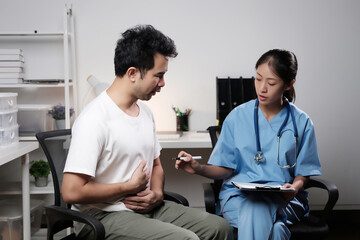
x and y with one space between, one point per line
259 155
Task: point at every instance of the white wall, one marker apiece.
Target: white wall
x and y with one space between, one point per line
225 38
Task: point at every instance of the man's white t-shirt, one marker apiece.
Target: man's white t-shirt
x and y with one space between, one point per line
108 145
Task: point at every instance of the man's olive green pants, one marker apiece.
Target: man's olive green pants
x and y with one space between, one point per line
170 221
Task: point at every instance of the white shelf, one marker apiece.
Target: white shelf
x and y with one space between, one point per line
67 40
29 85
64 38
34 107
33 138
49 189
14 188
31 34
27 138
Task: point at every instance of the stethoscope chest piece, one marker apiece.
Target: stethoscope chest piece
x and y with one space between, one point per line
259 157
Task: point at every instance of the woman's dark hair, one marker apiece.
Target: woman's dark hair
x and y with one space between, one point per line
284 64
137 48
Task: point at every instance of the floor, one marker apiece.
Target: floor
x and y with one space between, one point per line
344 225
41 235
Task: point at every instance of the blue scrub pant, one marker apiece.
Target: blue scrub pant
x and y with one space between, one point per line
261 215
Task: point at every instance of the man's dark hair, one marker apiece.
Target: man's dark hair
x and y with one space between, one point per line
137 48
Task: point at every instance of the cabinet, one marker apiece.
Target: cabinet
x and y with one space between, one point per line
43 52
48 56
10 153
231 92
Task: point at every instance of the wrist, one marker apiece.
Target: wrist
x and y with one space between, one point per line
199 169
159 195
298 185
130 188
159 198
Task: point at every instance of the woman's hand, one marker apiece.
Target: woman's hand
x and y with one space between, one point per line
194 167
289 195
298 184
189 165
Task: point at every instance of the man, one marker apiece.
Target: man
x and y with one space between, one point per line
113 170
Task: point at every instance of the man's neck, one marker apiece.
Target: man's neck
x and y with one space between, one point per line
122 97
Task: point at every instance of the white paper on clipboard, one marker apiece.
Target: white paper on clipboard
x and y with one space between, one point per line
261 187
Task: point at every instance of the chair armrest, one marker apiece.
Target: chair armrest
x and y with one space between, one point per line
331 189
175 197
59 218
209 198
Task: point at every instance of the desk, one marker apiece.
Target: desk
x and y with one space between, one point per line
10 153
195 143
187 140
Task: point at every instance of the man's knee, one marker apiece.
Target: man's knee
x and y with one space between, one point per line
218 228
224 230
183 234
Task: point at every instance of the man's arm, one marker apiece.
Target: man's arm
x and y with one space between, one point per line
158 179
146 200
78 188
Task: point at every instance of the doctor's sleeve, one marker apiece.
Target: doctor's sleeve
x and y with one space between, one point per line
224 152
308 163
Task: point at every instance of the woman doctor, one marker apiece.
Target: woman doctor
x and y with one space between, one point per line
268 140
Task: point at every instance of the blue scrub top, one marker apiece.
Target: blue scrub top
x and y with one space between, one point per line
236 148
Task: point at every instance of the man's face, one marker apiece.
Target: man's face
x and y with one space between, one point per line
153 80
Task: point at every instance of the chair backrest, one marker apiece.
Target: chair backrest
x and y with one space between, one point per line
55 145
214 132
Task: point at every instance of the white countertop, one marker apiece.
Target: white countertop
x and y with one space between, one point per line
15 150
191 139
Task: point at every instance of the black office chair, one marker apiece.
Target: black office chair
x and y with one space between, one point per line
310 227
59 216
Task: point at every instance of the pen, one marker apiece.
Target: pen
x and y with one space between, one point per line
183 158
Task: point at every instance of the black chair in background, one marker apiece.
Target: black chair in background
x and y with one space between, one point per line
59 216
310 227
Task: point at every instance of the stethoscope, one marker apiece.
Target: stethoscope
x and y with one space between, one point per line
259 156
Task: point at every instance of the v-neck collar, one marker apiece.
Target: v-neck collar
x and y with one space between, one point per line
118 110
276 121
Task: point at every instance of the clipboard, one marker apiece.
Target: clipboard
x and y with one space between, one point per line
261 187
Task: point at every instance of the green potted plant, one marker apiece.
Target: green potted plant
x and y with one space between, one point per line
40 170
